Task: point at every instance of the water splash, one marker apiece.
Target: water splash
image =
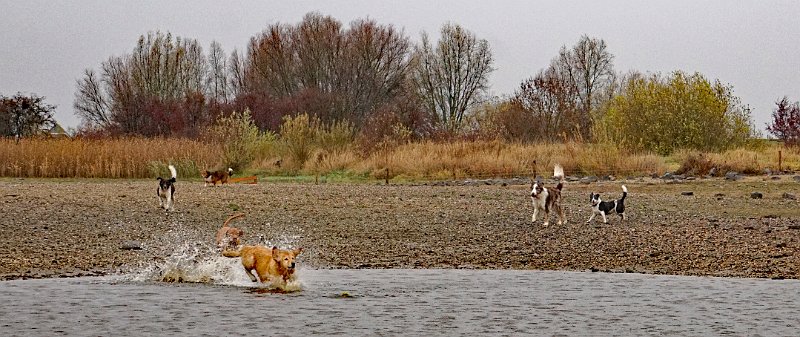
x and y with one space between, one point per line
200 263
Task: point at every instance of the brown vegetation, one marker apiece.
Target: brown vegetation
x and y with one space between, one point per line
330 152
105 158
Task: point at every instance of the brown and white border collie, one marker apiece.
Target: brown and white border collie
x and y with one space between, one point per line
546 199
215 177
166 190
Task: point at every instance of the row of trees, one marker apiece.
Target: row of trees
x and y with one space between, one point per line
358 74
375 80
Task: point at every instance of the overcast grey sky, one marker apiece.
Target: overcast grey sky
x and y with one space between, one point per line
752 45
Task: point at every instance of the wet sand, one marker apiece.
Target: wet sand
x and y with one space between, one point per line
64 228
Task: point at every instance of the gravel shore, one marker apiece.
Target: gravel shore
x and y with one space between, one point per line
64 228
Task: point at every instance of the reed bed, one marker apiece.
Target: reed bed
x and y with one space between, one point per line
148 158
105 158
489 159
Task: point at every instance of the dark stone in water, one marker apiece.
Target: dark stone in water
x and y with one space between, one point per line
732 176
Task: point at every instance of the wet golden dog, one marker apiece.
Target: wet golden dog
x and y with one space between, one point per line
274 265
228 238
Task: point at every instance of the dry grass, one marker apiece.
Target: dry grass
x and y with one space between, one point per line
107 158
147 158
742 160
497 159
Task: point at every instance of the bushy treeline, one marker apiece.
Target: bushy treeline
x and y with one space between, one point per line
24 115
371 80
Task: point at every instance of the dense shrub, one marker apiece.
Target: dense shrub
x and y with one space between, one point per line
664 114
239 138
302 136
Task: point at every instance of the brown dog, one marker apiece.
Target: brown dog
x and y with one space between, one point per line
275 266
229 237
215 177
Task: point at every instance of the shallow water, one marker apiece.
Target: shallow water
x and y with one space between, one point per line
401 302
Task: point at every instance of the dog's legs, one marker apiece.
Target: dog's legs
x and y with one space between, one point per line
250 274
535 213
546 218
561 219
622 218
604 217
591 217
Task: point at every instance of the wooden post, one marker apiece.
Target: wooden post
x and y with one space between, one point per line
780 168
387 176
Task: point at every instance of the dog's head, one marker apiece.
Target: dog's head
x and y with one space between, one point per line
594 198
285 258
234 235
205 174
537 189
165 184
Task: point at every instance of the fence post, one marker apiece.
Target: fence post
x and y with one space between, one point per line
387 176
780 167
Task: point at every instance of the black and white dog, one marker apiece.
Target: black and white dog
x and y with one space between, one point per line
166 190
607 207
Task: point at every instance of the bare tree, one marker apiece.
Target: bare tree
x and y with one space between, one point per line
595 66
450 76
158 89
551 103
589 67
91 100
317 64
236 71
270 62
564 97
373 67
218 79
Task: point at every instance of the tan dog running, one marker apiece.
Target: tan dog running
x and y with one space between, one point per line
274 265
229 237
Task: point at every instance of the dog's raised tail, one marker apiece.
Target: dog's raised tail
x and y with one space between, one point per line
624 192
231 218
558 173
230 171
173 171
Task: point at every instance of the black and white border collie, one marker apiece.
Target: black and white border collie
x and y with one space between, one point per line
166 190
547 199
607 207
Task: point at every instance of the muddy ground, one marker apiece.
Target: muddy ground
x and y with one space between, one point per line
63 228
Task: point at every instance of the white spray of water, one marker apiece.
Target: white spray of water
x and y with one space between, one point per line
198 262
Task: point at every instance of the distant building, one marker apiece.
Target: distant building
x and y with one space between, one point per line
57 131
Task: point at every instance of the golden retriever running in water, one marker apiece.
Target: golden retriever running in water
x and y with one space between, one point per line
274 265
